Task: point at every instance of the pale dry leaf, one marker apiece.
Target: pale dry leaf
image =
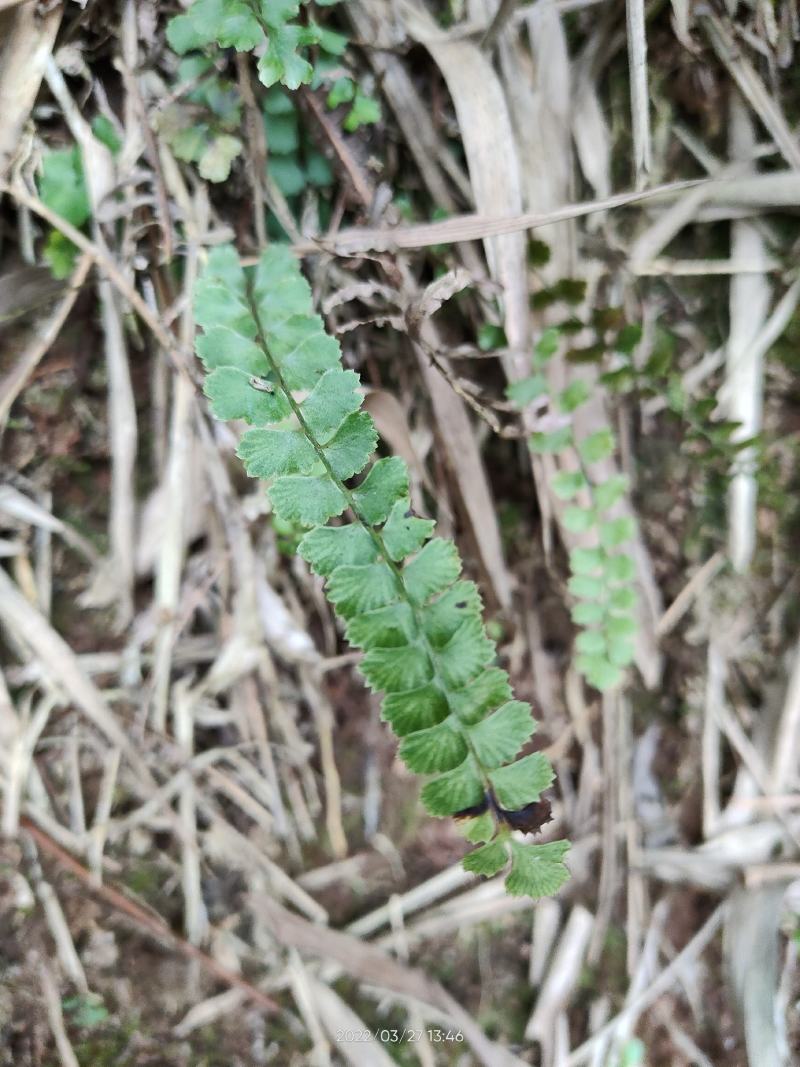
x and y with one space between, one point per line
752 87
543 115
752 928
432 155
27 42
492 159
337 1017
640 96
152 522
439 292
368 964
592 139
773 189
742 389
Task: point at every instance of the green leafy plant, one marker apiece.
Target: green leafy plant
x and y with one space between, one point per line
267 25
703 435
603 570
200 127
331 72
62 188
85 1011
294 163
364 109
396 586
707 445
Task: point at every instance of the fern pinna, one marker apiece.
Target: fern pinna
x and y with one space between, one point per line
397 587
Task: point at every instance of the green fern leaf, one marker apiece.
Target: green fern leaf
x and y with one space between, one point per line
435 568
355 590
489 690
392 626
328 547
567 484
527 390
586 587
351 446
598 445
223 347
182 36
333 398
303 351
444 615
591 642
579 520
232 396
224 268
466 653
621 651
386 482
616 531
522 782
392 669
586 560
62 185
266 453
440 748
276 12
623 600
610 491
599 671
498 738
587 613
217 305
281 62
481 828
280 290
415 709
537 870
308 501
620 569
487 860
229 22
454 790
621 626
403 532
244 26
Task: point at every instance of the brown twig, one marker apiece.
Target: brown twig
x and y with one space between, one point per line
257 154
358 180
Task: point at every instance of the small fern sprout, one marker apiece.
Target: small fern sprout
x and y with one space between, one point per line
396 586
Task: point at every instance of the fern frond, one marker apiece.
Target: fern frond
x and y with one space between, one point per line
398 588
246 25
602 576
